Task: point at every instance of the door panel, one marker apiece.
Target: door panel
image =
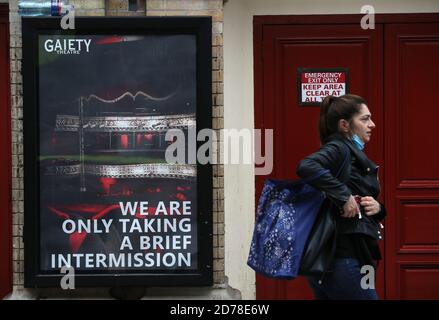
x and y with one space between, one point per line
412 158
286 48
5 158
419 226
419 282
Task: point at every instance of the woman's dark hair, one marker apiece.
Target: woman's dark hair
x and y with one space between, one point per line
335 108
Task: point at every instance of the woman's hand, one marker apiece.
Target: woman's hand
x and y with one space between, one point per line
350 208
371 206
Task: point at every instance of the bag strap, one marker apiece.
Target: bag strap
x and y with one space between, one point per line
324 171
314 176
344 161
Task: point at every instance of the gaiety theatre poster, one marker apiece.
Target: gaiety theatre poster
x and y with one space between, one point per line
108 199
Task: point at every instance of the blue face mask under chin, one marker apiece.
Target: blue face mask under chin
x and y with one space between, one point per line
358 142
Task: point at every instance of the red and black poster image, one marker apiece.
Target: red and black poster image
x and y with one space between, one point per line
109 201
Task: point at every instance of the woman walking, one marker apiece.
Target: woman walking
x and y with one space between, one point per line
346 126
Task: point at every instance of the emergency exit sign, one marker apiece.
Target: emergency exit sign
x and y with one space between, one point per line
313 85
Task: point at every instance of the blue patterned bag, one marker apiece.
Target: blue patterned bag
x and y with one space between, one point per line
285 216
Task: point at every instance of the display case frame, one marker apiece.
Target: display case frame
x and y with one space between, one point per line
201 29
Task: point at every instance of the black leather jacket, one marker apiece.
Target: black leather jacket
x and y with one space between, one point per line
358 178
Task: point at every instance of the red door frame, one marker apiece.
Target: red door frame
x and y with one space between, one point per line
258 27
5 159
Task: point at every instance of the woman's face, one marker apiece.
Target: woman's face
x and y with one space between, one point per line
362 124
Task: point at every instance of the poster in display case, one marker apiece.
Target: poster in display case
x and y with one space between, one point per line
101 197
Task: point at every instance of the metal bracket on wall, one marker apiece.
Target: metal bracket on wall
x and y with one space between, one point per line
137 6
133 5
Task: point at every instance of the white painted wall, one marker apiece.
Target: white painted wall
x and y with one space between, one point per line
238 108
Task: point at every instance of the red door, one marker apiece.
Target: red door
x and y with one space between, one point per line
5 158
412 160
404 143
285 48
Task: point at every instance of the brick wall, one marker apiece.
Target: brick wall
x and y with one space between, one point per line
17 146
120 8
212 8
